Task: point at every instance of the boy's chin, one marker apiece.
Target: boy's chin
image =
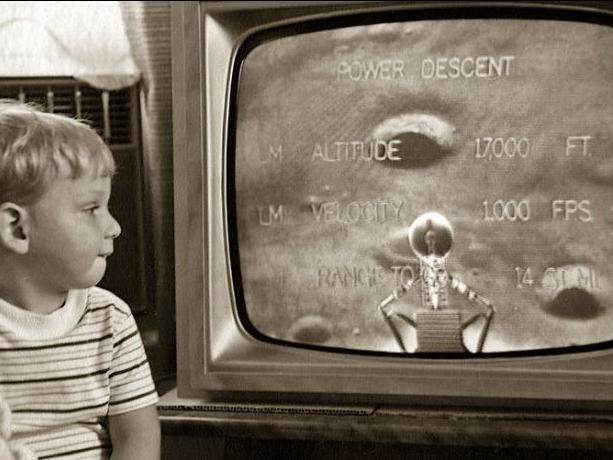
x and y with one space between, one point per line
93 276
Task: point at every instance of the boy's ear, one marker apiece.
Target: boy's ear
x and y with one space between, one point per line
14 227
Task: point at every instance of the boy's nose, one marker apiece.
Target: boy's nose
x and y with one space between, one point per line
113 229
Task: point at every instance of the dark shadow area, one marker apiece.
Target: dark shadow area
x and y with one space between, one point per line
574 303
243 449
416 151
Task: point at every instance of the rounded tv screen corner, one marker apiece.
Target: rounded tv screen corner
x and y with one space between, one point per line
438 186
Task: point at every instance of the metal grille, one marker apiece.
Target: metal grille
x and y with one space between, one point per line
108 112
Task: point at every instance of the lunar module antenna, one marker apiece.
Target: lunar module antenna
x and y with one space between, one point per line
431 238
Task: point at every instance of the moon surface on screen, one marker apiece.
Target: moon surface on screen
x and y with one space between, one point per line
344 137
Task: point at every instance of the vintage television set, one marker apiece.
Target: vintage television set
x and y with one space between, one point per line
394 203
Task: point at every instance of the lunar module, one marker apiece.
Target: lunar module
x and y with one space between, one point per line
439 328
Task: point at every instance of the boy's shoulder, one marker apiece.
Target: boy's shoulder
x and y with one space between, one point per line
99 298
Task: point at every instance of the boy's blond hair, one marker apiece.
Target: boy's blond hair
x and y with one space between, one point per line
33 146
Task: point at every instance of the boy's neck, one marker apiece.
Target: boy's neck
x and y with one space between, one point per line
31 299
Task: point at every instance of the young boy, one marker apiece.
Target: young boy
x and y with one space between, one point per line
72 366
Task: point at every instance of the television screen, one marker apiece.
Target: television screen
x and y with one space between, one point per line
389 202
427 186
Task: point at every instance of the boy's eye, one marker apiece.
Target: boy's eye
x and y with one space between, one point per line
92 209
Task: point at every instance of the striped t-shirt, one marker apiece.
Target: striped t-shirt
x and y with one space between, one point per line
62 374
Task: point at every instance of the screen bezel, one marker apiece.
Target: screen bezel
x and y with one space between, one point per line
217 355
